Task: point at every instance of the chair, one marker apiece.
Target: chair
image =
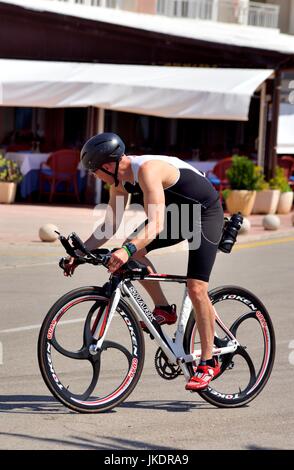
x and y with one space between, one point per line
61 167
218 176
287 163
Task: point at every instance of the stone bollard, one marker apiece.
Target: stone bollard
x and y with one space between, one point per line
47 233
245 227
271 222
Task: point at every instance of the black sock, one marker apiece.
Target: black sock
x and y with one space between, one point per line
208 362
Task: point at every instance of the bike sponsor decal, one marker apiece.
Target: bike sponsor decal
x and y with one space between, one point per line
266 336
132 333
55 378
51 329
225 396
141 303
240 299
133 368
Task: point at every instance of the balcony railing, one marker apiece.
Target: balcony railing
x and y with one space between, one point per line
119 4
201 9
241 12
264 15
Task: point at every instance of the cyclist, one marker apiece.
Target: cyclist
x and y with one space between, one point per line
161 181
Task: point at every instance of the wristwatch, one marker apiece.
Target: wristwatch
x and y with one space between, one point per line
130 249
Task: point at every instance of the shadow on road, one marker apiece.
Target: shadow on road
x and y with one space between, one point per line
47 404
77 442
30 403
167 405
255 447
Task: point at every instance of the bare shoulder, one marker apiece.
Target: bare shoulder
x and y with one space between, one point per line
157 171
151 168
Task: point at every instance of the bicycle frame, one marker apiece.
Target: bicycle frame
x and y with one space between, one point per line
172 347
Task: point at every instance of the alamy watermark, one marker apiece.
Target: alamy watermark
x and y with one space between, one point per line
181 222
291 355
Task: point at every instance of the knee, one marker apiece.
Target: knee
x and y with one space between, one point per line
197 290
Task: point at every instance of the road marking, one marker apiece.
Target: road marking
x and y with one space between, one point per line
30 253
263 243
9 266
37 327
164 251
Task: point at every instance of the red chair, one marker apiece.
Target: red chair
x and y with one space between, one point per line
218 176
287 163
61 167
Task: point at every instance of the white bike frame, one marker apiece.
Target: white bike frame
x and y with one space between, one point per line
173 348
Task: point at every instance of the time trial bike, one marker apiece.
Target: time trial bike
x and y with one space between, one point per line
91 345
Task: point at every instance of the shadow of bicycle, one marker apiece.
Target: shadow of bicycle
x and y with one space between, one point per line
46 404
173 406
30 403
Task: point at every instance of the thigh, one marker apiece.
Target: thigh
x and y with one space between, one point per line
201 260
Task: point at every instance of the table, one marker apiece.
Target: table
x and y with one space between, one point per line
29 163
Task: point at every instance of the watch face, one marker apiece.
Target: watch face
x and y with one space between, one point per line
131 247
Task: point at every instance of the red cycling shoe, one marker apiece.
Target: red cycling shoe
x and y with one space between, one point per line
202 377
165 315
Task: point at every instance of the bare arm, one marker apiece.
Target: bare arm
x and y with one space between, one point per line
150 181
118 199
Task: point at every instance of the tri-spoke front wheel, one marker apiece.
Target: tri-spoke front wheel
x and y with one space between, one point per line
81 379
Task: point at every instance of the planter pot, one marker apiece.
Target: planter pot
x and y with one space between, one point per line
285 203
7 192
241 201
266 202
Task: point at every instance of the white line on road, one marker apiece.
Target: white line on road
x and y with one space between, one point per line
37 327
11 266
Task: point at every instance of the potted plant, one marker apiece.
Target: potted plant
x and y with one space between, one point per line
279 181
267 198
10 175
243 179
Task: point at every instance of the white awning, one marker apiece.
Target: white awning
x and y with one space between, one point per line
171 92
285 139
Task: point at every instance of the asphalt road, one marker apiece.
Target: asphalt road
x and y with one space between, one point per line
158 414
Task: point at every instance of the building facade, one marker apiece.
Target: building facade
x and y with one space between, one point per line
38 34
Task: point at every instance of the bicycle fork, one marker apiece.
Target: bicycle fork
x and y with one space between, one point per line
104 322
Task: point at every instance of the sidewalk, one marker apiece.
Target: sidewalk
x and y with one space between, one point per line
20 223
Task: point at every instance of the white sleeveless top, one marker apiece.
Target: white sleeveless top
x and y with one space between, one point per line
137 161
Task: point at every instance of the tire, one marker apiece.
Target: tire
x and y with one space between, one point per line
255 356
66 363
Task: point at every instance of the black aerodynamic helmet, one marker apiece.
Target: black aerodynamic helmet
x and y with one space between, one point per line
100 149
